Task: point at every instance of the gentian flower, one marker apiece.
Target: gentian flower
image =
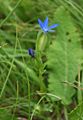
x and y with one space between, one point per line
44 26
31 52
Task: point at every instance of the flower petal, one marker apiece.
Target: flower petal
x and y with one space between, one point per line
46 22
53 26
40 23
51 30
31 52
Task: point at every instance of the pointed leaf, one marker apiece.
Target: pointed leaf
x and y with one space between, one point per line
63 57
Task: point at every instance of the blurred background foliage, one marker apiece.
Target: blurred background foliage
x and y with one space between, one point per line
18 32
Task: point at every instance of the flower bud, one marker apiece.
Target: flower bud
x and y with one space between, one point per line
41 42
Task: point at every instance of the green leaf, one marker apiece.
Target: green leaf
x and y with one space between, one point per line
5 115
63 57
77 113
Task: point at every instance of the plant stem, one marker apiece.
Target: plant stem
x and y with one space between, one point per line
17 96
57 111
42 85
28 83
36 106
40 67
65 113
79 91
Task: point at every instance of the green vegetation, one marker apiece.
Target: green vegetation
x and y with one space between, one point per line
48 86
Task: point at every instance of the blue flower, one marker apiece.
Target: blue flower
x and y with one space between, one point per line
31 52
44 26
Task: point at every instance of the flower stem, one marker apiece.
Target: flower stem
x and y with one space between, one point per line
65 113
79 91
